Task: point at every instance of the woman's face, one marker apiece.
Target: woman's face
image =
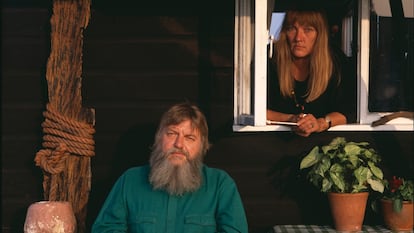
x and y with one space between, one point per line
301 39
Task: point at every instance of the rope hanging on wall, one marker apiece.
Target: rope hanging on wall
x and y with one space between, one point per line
62 137
65 131
60 129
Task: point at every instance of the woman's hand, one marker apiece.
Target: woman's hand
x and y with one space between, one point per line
307 124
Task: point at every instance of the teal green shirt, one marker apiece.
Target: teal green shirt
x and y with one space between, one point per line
133 206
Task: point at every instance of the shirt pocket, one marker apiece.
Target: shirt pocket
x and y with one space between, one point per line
199 224
142 224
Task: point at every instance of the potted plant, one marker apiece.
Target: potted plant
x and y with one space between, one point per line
397 204
345 170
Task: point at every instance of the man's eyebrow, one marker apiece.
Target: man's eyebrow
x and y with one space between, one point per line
192 133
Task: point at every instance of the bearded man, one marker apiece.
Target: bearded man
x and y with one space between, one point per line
176 192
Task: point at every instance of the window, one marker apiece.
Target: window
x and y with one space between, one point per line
367 21
391 53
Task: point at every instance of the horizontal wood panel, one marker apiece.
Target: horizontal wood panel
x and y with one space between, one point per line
165 7
24 119
139 88
139 26
16 157
105 25
145 54
26 89
17 179
28 22
220 53
24 54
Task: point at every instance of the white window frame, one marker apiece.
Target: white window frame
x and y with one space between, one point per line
248 118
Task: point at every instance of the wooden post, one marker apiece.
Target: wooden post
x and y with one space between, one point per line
68 128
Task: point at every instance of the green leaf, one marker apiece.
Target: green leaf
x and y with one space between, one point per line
358 188
352 149
336 168
397 205
362 174
333 146
407 190
354 160
337 178
326 185
311 158
360 144
376 185
375 170
337 141
372 155
323 166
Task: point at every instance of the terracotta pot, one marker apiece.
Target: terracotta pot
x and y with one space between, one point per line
348 210
50 217
402 221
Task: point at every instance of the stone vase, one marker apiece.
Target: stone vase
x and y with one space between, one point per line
50 217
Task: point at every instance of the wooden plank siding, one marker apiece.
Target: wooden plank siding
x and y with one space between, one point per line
138 61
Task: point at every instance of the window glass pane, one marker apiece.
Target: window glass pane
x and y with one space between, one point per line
276 24
391 64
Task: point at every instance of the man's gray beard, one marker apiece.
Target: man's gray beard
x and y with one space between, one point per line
174 179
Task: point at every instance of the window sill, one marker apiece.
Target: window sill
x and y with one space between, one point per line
347 127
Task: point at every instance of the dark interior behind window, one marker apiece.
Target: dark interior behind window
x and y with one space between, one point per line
391 63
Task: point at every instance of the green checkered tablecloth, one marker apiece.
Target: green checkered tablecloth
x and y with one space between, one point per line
323 229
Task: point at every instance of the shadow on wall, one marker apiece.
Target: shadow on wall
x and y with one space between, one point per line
18 221
289 181
133 149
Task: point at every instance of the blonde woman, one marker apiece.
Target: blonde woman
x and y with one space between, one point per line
307 79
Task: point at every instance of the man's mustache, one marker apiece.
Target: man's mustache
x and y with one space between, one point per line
175 150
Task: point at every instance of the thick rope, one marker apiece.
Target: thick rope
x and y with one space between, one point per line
53 163
63 137
78 136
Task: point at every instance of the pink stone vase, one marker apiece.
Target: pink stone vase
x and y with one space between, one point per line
50 217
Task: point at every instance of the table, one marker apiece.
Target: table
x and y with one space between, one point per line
324 229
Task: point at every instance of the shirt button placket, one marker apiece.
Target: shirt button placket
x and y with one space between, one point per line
171 214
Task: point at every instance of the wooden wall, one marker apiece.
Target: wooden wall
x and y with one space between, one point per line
138 60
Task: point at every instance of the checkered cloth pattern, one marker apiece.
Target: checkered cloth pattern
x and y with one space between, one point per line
324 229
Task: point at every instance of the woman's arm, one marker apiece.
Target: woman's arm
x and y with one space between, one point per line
279 116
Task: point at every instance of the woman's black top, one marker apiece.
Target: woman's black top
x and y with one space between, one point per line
336 98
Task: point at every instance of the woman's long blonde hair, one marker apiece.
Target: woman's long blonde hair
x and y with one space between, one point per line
321 64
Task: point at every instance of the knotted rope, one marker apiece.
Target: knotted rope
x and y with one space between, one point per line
62 137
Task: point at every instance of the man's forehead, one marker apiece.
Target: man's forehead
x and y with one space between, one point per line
185 126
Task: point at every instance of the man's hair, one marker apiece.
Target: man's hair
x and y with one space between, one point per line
181 112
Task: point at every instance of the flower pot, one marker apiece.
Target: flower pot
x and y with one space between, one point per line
402 221
50 217
348 210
